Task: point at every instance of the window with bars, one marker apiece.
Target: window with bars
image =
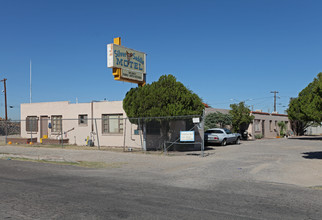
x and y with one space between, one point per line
32 124
112 124
56 123
82 120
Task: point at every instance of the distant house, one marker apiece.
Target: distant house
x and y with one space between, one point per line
266 124
314 130
212 110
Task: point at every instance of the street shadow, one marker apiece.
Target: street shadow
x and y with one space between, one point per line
307 138
313 155
211 145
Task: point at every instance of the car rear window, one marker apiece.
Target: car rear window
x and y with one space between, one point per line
214 132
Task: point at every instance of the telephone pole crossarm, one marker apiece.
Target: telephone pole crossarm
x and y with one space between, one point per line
275 92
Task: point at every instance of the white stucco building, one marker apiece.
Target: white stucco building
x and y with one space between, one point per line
103 123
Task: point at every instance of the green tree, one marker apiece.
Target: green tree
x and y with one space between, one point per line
241 117
299 120
165 97
216 119
306 109
310 100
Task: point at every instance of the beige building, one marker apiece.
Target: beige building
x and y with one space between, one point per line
266 124
103 123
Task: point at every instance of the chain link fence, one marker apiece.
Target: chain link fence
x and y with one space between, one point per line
130 134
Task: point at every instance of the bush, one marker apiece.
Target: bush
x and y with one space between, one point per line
258 136
282 126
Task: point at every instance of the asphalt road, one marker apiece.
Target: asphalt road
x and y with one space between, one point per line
46 191
264 179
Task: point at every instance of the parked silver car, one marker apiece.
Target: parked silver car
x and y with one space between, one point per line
221 136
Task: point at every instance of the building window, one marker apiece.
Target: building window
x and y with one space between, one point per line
112 124
270 125
82 119
257 122
56 123
32 124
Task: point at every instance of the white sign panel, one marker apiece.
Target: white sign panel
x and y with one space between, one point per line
187 136
129 74
132 62
195 120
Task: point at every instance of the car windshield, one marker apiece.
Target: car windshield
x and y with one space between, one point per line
214 132
227 131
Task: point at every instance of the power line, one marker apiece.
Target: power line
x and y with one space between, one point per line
229 102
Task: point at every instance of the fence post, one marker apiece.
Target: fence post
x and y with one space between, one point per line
61 131
203 133
30 126
98 140
124 135
144 136
140 133
6 131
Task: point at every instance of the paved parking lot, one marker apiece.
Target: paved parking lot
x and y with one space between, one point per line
290 161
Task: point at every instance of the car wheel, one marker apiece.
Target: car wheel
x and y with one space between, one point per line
237 141
224 142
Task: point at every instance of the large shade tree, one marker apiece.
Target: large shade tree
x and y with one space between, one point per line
310 100
241 117
307 107
163 98
299 121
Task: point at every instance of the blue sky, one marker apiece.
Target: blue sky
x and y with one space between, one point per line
225 51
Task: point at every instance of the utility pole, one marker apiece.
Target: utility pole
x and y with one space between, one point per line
5 97
275 92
